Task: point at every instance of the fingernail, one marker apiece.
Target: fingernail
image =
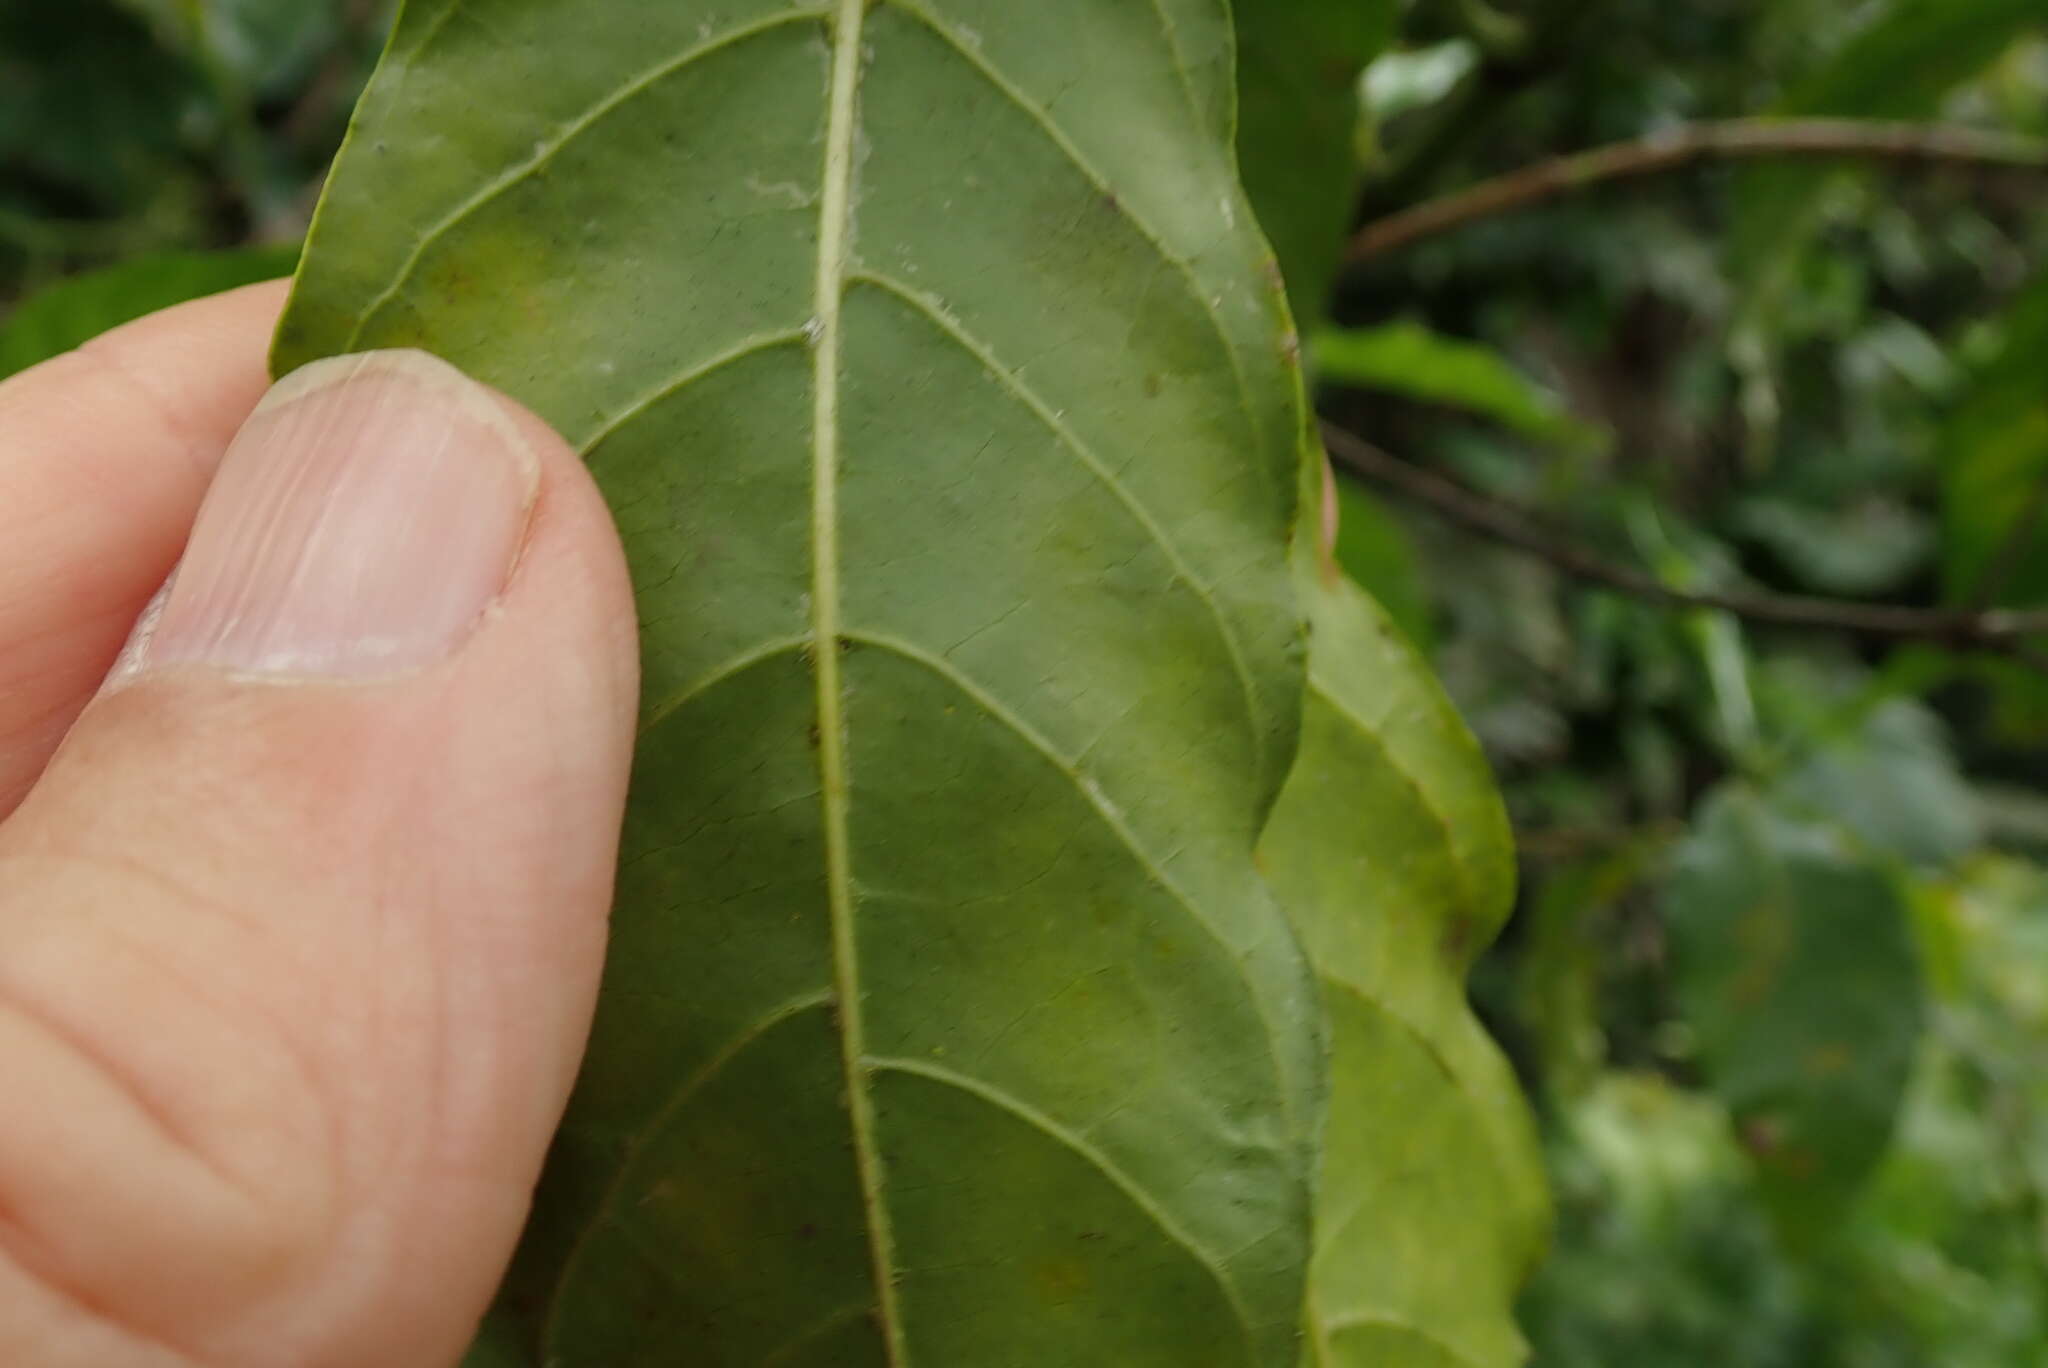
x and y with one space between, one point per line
363 520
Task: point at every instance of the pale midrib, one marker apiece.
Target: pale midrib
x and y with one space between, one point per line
835 222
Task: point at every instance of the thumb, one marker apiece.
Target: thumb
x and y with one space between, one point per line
300 931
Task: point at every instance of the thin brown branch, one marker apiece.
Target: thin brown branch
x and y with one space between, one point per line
1691 144
2003 630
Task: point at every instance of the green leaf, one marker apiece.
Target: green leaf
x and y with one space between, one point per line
1909 58
1297 134
497 1345
1994 472
1893 785
925 352
1871 546
1409 359
258 43
58 318
1995 466
1375 550
88 104
1796 973
1391 849
1901 66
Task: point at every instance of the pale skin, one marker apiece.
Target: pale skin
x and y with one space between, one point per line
294 976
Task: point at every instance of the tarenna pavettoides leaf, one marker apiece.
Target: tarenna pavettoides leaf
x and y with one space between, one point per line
942 387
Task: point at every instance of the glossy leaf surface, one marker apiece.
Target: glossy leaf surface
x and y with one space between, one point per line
1391 849
934 367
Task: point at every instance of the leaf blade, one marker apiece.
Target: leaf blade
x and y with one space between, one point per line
972 657
1390 848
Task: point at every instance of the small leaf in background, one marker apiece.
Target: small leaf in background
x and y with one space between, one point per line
1297 128
1797 977
1892 784
1399 82
1410 360
260 43
1391 850
82 307
947 1020
1870 546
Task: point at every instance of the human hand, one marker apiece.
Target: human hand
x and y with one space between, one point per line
301 923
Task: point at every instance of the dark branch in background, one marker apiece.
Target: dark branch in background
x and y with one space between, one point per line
1740 139
1550 31
2000 630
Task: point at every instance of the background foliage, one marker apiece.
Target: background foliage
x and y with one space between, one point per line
1778 978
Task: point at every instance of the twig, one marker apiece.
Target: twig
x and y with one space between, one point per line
1739 139
2002 630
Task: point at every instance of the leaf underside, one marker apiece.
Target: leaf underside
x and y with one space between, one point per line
1391 849
940 384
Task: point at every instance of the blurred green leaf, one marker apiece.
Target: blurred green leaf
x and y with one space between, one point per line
1995 466
261 44
1665 1259
1569 931
1994 469
1796 974
1901 66
84 306
1409 359
1391 850
1869 546
90 108
1298 68
1912 54
1374 549
1893 784
496 1346
1948 1245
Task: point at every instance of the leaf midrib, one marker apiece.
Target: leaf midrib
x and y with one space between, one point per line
835 221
